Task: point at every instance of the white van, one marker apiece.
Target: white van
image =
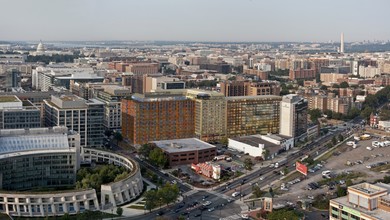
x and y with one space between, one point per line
326 172
369 148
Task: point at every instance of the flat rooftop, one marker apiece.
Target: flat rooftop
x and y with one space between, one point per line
377 213
9 98
368 188
255 140
183 145
257 97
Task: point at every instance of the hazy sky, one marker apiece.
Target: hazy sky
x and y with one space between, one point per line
195 20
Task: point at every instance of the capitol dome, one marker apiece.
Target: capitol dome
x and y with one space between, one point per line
40 47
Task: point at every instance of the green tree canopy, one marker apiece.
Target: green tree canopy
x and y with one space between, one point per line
344 85
158 157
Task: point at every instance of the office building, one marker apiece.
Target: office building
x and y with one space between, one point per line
293 116
45 78
156 83
247 88
111 96
187 151
80 115
15 113
157 116
364 201
142 68
9 78
38 157
248 115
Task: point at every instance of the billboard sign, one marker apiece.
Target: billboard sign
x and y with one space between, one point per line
301 168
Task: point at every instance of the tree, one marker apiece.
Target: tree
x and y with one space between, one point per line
344 85
341 191
315 114
384 114
158 157
334 140
324 87
284 214
341 138
336 86
348 182
257 191
65 216
285 171
151 200
118 137
119 211
366 112
168 193
181 217
248 164
225 141
145 150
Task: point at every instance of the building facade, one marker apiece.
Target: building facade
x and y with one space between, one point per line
15 114
364 201
80 115
210 110
152 117
186 151
248 115
293 116
38 157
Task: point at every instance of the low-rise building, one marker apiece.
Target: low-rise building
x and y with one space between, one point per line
208 169
15 113
187 151
364 201
257 145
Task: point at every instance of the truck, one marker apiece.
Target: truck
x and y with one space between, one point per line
280 163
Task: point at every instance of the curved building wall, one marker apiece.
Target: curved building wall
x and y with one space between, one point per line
34 204
122 191
38 169
52 204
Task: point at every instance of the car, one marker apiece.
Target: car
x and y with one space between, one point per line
342 182
160 213
289 203
230 200
310 197
235 194
197 214
262 178
326 172
207 203
176 210
205 197
211 209
272 165
174 181
369 148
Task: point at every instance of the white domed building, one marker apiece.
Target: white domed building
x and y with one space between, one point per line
40 47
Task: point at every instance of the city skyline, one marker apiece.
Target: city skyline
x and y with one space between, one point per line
174 20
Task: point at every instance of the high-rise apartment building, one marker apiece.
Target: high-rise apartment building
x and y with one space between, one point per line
210 109
15 113
248 115
293 116
80 115
157 116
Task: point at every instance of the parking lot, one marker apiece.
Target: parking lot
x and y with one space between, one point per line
346 163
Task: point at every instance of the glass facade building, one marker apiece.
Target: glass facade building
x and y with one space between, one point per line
248 115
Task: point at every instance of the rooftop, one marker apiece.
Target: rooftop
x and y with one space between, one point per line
262 97
255 140
182 145
377 213
368 188
9 98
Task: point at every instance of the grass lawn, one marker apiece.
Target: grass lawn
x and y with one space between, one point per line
381 168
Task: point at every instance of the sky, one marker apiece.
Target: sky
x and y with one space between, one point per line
195 20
